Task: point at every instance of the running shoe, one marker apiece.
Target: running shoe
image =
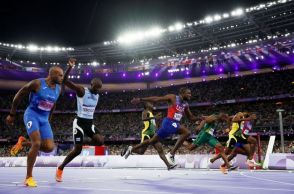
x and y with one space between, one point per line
30 182
58 176
17 147
170 158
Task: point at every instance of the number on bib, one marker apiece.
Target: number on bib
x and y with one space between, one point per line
175 125
177 116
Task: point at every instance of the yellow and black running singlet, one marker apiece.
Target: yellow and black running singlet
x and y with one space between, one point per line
149 127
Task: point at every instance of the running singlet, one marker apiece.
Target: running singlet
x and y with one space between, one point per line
176 111
87 104
43 101
209 127
246 127
150 125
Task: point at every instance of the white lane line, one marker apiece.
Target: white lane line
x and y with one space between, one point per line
269 180
208 186
96 189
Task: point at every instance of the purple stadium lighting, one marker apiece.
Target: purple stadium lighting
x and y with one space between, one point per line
87 73
220 70
187 72
139 75
70 95
106 75
124 74
156 74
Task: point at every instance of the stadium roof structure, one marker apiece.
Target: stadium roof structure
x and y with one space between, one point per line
213 32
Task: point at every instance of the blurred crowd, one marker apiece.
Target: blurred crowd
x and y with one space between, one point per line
121 126
217 91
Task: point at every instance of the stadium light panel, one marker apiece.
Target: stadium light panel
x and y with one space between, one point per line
171 28
179 26
32 47
49 48
208 19
226 15
217 17
237 12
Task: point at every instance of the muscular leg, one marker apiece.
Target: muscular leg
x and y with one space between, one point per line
96 140
218 156
141 150
158 147
184 134
47 145
253 142
222 154
189 146
74 153
145 143
32 155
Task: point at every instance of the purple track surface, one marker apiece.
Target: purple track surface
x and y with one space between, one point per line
151 181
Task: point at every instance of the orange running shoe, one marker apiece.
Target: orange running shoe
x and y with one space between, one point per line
224 170
58 176
30 182
17 147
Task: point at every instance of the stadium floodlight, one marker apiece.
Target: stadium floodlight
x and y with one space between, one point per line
154 32
19 46
32 47
131 37
56 49
49 49
237 12
189 24
208 19
171 28
226 15
94 63
179 26
217 17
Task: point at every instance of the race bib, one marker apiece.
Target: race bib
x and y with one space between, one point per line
211 131
86 110
177 116
45 105
246 132
153 122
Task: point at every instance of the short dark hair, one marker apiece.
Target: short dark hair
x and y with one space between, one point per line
95 81
183 90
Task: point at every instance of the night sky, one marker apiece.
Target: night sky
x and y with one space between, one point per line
80 22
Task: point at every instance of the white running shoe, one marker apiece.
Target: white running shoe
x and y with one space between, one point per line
128 152
170 158
252 163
